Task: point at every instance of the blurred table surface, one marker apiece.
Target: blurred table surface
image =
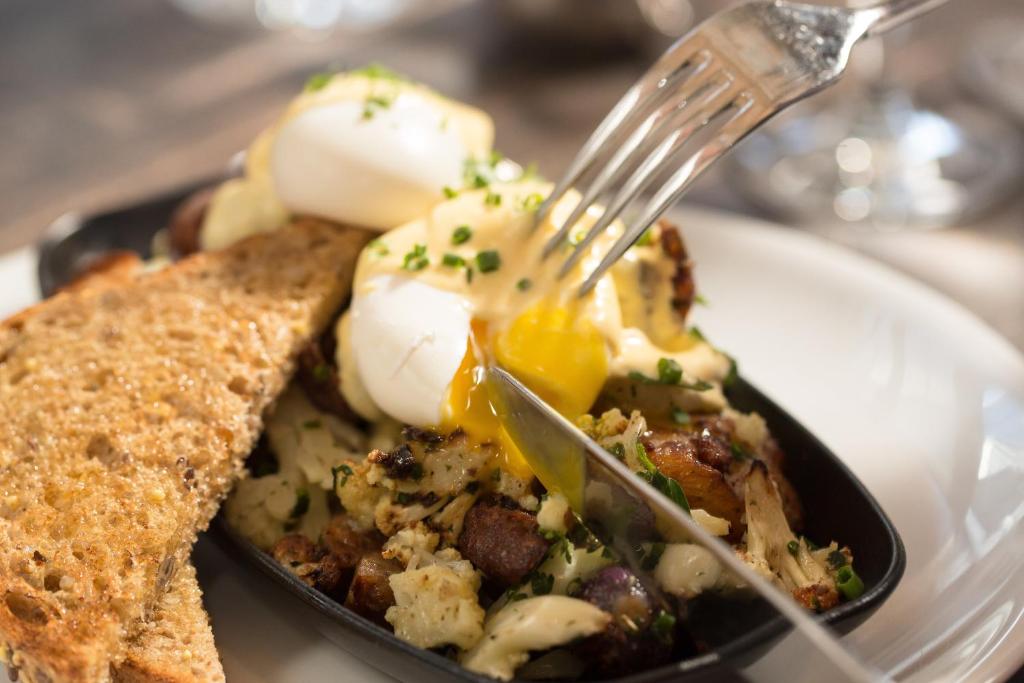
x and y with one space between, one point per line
105 101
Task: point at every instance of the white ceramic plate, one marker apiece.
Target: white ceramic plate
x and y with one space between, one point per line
921 400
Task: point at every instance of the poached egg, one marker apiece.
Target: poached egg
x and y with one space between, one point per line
438 299
366 148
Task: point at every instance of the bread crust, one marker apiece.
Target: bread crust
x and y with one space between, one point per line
125 415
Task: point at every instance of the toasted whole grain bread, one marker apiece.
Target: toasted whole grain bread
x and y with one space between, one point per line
175 644
125 416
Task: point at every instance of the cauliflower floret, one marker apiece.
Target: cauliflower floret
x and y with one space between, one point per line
359 498
774 551
716 526
437 604
412 545
451 518
551 516
265 509
687 570
530 625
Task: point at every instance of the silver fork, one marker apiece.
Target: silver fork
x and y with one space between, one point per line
721 81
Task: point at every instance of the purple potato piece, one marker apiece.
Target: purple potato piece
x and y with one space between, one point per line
629 643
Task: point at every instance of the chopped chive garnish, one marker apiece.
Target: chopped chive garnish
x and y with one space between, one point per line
469 275
733 374
495 158
524 284
697 334
492 199
680 416
416 259
301 504
793 547
848 583
461 234
378 71
453 260
318 81
488 261
378 248
700 300
449 193
542 583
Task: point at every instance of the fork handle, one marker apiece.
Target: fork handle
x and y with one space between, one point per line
898 12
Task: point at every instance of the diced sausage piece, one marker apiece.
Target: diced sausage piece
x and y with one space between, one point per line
370 594
187 221
502 543
347 544
318 378
295 549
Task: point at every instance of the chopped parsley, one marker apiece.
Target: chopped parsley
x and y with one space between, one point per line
488 261
318 81
312 424
403 498
793 547
345 470
524 284
453 261
542 583
670 373
697 334
321 373
680 416
531 202
469 275
492 199
416 259
618 450
478 174
739 452
646 239
378 248
449 193
668 486
700 300
733 374
461 234
378 71
663 626
374 104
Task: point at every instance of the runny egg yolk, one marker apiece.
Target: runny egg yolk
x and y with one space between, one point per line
550 348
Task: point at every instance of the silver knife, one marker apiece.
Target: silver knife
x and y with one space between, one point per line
607 494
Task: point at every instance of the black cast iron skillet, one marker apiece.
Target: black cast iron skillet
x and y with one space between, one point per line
837 505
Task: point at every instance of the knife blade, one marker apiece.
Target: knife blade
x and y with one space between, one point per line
610 498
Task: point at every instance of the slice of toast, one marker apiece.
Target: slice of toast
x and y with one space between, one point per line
125 415
175 644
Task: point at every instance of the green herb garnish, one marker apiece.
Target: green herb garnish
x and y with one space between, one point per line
793 547
453 261
668 486
375 103
488 261
680 416
321 372
461 234
652 557
449 193
378 71
697 334
669 371
312 424
531 202
542 583
318 81
403 498
848 583
837 559
416 259
739 452
344 469
492 199
524 284
663 626
378 248
646 239
700 300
